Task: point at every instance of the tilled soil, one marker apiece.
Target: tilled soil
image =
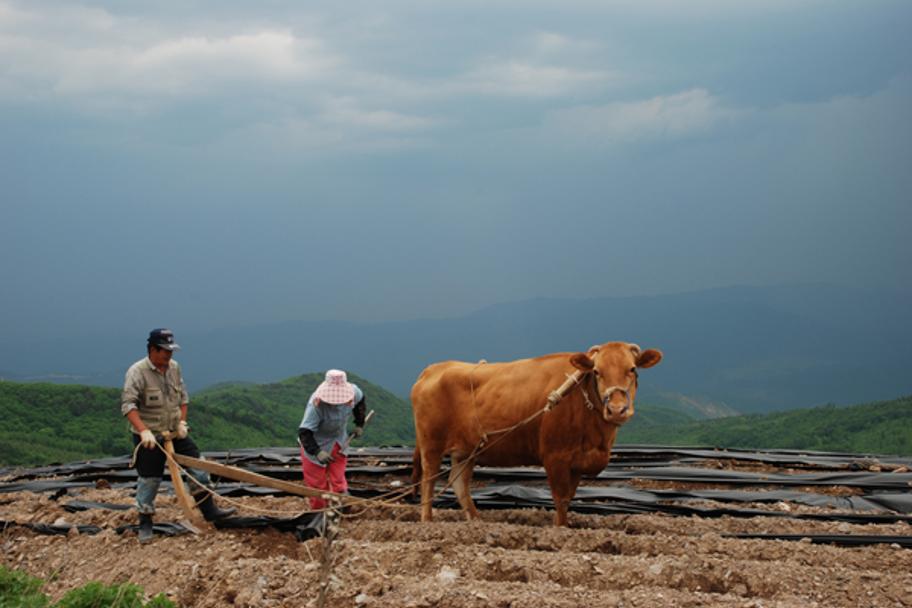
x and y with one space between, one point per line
384 556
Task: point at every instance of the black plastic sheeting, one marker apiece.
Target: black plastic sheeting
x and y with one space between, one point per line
870 480
41 485
901 503
83 505
304 526
615 500
888 490
286 462
885 481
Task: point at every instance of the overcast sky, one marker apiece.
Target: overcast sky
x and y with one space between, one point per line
206 163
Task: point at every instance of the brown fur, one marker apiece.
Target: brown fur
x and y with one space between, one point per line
456 404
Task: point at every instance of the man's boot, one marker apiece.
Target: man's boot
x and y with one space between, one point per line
145 528
210 511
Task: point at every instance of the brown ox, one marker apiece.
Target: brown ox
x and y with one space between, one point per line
462 409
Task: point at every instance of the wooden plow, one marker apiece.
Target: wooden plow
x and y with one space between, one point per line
237 474
187 505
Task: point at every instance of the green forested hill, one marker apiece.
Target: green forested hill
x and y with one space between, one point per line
259 415
648 415
46 423
884 427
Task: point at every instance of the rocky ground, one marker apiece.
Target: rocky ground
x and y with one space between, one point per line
384 556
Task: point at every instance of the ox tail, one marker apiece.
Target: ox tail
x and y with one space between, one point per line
412 496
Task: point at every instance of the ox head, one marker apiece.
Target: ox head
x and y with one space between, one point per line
613 367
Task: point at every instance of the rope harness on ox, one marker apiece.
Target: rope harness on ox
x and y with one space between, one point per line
608 392
586 381
554 397
576 379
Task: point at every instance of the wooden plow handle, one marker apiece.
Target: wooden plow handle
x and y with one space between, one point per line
237 474
187 505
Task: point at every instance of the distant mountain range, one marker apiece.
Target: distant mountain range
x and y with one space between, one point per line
747 349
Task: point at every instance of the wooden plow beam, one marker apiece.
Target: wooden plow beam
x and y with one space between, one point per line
237 474
187 504
223 470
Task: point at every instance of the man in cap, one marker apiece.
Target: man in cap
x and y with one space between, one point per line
323 435
155 401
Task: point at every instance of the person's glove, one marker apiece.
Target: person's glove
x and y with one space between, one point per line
359 430
324 457
182 429
147 439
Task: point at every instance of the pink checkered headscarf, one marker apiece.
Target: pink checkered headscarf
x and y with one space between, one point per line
335 389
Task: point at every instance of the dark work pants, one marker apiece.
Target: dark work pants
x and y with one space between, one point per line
150 466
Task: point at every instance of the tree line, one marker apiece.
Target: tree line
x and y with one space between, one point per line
52 423
47 423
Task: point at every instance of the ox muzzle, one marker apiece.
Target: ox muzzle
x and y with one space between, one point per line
614 410
611 407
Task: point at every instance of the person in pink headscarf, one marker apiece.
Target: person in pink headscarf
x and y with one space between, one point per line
323 432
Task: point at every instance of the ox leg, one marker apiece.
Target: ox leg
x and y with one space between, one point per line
563 482
461 480
430 467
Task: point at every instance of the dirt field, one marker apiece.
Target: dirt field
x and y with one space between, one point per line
383 556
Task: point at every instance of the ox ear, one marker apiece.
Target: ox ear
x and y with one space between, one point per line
649 357
582 362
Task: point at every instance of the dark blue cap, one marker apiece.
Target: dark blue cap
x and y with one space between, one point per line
163 338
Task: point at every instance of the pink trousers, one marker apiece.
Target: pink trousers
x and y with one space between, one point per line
330 477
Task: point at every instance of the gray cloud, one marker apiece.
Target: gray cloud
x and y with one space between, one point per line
277 160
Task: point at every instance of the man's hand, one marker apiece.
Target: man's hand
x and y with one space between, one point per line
324 457
182 429
359 430
147 439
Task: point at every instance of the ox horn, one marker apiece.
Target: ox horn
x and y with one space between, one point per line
635 349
